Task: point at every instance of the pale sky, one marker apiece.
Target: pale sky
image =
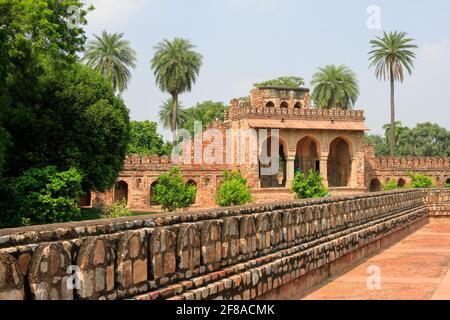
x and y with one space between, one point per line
248 41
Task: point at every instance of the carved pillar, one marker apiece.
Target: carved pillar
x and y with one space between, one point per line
324 168
290 170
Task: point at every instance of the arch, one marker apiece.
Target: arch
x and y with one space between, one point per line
270 104
298 105
375 185
284 105
192 182
152 187
277 180
401 183
339 163
447 183
86 200
307 157
121 192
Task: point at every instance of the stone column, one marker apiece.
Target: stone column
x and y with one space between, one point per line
290 170
324 168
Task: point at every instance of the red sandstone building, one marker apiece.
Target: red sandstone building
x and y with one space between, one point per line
328 141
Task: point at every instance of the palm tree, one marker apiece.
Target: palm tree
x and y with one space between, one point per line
165 114
335 87
398 130
390 55
176 67
112 57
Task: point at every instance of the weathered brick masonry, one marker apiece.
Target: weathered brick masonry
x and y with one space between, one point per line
234 253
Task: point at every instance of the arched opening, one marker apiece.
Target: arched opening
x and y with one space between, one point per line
339 163
276 180
85 200
307 156
284 105
447 183
298 105
270 104
375 185
153 202
121 192
401 183
194 184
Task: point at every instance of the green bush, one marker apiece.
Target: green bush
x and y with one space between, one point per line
391 185
309 187
43 196
116 210
420 180
234 190
172 193
447 185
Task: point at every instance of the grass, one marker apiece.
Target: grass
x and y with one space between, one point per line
95 214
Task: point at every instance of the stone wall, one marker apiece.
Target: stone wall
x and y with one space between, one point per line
233 253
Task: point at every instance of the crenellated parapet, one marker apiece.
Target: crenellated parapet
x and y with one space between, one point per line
410 162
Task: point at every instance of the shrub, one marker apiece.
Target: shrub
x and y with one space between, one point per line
391 185
309 187
447 185
46 195
116 210
172 193
420 180
234 190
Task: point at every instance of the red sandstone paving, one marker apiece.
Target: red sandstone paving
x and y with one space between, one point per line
416 268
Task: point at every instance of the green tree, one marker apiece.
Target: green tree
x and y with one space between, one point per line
45 195
112 56
145 140
419 181
176 67
234 190
172 193
335 87
398 130
309 187
166 114
390 55
425 140
282 82
206 112
381 147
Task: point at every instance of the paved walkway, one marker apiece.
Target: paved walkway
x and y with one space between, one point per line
417 268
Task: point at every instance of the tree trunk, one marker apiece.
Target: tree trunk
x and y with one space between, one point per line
174 118
392 130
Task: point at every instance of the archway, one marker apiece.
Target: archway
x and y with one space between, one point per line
447 183
339 163
193 183
270 104
284 105
401 183
86 200
277 180
153 202
298 105
375 185
307 156
121 192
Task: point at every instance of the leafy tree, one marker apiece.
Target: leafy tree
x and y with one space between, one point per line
381 147
398 130
166 114
172 193
145 140
205 112
176 67
45 195
425 140
420 180
309 187
282 82
234 190
112 56
390 55
335 87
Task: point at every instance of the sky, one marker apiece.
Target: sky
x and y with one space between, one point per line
248 41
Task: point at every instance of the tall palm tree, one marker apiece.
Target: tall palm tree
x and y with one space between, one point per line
335 87
166 115
112 56
390 55
176 67
398 130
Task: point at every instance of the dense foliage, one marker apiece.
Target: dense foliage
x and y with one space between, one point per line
43 196
420 180
234 190
116 210
335 87
310 186
282 82
391 185
205 112
145 140
425 140
172 193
